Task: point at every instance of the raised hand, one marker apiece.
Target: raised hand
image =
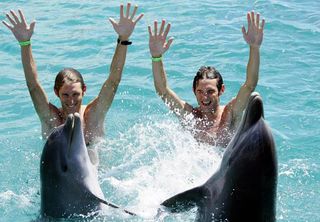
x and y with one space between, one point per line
126 24
254 35
19 27
158 43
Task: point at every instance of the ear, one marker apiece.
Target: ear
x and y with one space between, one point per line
56 92
84 89
222 90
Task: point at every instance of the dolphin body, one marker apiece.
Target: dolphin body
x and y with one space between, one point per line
244 187
69 181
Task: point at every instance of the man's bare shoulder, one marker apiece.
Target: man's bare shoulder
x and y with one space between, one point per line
53 117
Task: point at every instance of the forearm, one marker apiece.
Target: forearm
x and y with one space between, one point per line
167 95
117 64
253 68
159 77
29 67
38 95
110 86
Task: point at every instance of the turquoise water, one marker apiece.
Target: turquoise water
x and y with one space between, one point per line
146 156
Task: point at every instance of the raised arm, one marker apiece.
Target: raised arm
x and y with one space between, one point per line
253 36
124 28
158 45
23 33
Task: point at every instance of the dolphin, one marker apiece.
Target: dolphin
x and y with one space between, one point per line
69 181
244 187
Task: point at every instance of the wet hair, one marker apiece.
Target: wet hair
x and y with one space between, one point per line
68 75
208 72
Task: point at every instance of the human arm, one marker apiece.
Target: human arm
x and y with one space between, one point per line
158 45
253 36
23 32
124 28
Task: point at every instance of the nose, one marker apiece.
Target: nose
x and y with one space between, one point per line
204 94
70 101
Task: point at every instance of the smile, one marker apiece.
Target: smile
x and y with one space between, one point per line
206 103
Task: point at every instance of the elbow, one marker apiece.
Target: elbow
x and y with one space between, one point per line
161 93
250 86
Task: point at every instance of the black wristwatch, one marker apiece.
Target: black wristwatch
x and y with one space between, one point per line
124 42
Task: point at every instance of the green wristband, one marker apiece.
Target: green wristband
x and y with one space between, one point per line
156 59
25 43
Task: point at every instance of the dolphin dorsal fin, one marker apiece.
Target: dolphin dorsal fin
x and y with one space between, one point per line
184 201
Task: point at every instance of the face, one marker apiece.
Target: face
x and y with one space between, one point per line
71 95
207 95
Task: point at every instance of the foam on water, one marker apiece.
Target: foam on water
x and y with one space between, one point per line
154 161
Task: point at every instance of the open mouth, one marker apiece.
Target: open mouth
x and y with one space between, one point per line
206 103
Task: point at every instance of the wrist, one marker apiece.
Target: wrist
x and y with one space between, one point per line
123 42
255 47
123 38
156 58
24 43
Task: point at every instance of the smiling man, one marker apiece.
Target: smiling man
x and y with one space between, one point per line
214 123
69 84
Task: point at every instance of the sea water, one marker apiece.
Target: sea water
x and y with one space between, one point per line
146 156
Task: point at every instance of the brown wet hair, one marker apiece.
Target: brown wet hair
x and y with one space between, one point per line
68 75
208 72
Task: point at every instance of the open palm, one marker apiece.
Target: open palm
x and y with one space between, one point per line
254 35
158 43
19 27
126 24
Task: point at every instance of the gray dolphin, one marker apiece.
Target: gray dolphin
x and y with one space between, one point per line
244 187
69 181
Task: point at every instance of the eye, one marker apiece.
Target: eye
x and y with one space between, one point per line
199 91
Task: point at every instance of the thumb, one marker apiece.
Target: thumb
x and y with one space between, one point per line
113 22
168 43
243 30
32 25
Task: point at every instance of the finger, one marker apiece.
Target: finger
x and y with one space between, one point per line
113 22
248 19
14 15
150 31
23 19
139 17
169 43
32 24
128 10
6 24
244 31
10 19
167 30
258 20
121 11
155 27
252 17
134 12
162 27
262 24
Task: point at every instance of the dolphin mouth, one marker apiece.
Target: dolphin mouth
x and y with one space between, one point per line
73 125
70 125
253 111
